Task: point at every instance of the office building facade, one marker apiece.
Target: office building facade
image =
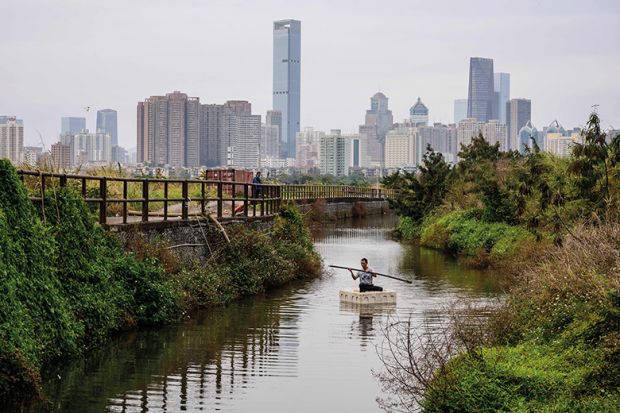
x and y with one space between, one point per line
481 97
107 122
518 113
460 110
502 95
377 123
287 81
418 114
72 125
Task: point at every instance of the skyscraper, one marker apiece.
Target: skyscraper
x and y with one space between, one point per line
502 95
286 81
518 112
377 123
11 138
107 122
418 113
72 125
460 110
481 98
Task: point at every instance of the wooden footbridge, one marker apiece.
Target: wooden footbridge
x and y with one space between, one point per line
121 201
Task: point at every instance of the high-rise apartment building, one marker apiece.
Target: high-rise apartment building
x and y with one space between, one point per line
401 146
32 155
333 154
91 147
287 80
440 137
494 132
11 138
210 135
274 118
481 97
460 110
169 130
61 156
355 151
72 125
466 130
502 95
309 149
269 141
518 112
418 114
107 122
377 123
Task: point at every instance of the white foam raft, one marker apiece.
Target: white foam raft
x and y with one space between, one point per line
368 297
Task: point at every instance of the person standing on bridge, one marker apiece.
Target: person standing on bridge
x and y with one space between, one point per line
365 277
256 185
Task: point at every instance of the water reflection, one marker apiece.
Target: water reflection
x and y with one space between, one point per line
210 357
365 320
273 352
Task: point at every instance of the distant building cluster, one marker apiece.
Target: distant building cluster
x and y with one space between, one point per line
77 146
177 133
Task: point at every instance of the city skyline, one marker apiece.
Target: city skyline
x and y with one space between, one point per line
573 70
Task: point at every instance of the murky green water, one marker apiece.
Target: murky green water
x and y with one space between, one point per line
296 349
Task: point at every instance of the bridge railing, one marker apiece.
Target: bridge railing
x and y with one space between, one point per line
122 200
119 200
310 192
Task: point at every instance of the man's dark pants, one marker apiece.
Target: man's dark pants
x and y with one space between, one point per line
369 287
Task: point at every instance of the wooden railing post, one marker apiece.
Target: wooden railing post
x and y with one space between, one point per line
219 199
165 200
103 195
232 207
203 210
145 200
185 202
63 180
245 200
125 202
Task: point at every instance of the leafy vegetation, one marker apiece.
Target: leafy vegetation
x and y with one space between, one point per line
66 284
554 344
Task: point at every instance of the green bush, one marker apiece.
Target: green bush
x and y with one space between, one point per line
64 285
462 232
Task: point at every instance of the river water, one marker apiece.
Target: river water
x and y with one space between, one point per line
294 349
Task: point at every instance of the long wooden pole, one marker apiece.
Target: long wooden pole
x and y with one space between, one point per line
372 272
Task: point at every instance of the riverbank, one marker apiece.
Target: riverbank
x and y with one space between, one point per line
554 346
66 285
553 224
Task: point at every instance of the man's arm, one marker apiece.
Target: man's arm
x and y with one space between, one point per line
352 275
372 271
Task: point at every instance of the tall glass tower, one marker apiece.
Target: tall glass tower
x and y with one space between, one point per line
502 95
107 122
286 81
481 98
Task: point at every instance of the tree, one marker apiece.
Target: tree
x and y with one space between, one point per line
594 164
418 193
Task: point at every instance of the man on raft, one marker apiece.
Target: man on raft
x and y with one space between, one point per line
365 277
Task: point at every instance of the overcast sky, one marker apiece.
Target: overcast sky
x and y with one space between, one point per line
59 56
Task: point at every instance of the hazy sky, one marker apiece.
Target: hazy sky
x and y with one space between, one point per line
59 56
